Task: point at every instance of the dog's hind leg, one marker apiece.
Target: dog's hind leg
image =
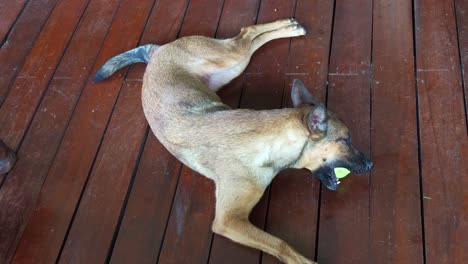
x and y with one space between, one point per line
234 202
234 58
252 31
284 32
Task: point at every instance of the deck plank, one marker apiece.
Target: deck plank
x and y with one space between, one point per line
293 208
188 233
92 229
32 81
20 40
462 27
344 213
145 216
82 139
395 208
443 132
68 174
9 11
20 187
49 124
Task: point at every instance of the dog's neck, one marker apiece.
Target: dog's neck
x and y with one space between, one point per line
283 149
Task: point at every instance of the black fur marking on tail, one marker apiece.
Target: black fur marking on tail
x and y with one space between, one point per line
140 54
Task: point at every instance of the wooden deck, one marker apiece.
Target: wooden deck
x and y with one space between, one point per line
93 185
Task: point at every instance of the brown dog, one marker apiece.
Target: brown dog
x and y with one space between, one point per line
240 150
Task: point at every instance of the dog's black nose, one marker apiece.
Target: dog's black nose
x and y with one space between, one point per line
369 164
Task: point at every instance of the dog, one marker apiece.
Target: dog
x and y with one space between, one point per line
241 150
7 158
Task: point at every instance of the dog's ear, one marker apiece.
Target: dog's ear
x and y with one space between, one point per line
300 96
317 120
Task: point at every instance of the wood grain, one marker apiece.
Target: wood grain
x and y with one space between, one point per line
142 229
20 40
27 90
39 242
9 11
83 139
443 133
92 229
395 208
21 185
462 29
64 178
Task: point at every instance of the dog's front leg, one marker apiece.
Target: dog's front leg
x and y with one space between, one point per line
234 202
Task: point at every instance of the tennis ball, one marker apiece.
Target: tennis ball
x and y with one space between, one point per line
341 172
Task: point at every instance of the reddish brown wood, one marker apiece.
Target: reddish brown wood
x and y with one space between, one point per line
93 227
188 233
293 208
344 214
141 232
32 80
20 40
395 208
462 27
47 128
67 172
21 187
443 133
75 157
9 11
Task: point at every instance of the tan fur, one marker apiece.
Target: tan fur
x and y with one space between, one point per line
240 150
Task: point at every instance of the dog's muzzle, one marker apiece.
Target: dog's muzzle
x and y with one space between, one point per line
358 164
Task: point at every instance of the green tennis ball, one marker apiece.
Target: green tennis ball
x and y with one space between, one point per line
341 172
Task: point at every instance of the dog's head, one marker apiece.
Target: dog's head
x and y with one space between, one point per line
329 145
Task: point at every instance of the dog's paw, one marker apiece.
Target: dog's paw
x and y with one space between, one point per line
287 22
294 31
293 21
301 30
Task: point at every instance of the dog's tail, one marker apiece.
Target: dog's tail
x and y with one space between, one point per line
140 54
